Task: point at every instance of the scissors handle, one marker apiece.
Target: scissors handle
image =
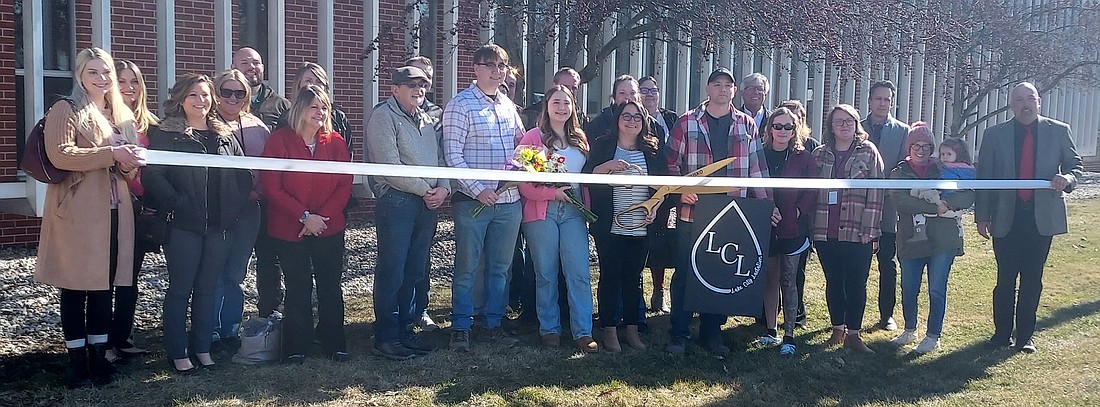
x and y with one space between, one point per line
649 205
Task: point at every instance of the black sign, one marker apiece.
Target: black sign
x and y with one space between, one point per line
729 255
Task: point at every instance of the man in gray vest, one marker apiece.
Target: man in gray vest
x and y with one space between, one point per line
888 134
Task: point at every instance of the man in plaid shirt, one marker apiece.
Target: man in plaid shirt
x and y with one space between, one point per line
480 129
713 131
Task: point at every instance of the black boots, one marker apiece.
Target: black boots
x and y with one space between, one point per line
103 372
79 376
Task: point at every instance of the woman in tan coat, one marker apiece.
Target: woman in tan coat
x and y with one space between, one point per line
85 247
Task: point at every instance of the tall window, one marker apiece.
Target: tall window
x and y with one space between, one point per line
253 27
57 58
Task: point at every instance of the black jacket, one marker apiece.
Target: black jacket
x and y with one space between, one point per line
182 191
606 122
603 150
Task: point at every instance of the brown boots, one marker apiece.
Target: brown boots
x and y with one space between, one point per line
854 342
633 339
611 339
837 338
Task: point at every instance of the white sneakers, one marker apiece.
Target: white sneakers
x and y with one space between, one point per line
928 344
906 337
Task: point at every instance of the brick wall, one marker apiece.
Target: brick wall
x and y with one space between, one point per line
8 164
18 230
195 37
134 38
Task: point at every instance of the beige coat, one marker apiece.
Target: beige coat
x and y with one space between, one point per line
74 247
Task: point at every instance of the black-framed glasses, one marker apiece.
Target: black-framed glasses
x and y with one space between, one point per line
227 93
921 147
414 85
500 67
777 126
844 122
649 91
636 117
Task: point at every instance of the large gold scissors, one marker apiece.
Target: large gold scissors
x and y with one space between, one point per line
650 205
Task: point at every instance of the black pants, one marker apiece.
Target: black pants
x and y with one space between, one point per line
1023 252
86 313
887 275
122 320
846 266
320 260
622 259
269 276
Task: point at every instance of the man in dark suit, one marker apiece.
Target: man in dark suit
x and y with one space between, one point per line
888 134
1022 222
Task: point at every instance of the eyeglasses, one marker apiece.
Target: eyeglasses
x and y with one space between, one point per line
499 67
636 117
414 85
228 93
844 122
649 91
787 127
921 147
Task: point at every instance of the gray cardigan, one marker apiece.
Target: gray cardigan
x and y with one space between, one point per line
394 137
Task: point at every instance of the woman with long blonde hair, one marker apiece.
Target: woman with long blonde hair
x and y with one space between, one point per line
86 248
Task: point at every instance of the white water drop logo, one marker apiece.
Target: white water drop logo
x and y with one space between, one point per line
732 254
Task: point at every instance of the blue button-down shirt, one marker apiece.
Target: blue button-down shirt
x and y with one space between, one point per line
480 132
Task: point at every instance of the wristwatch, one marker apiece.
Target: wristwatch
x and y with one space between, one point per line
305 215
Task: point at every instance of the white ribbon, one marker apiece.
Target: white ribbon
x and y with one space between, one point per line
159 157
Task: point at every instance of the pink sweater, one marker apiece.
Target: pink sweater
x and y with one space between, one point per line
535 198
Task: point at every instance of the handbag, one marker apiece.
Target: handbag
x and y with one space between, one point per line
150 227
36 163
260 340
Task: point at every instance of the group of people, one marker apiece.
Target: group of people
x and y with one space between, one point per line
529 239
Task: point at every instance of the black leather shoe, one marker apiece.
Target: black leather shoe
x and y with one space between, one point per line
1000 342
415 343
393 351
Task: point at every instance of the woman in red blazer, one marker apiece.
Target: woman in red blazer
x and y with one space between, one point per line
305 215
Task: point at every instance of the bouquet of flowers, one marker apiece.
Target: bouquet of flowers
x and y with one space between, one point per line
534 159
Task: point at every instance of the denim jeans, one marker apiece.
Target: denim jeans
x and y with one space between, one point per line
560 242
912 271
229 293
492 235
710 325
846 266
195 263
405 230
317 260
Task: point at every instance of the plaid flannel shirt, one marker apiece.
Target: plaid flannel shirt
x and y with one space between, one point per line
689 150
480 132
860 209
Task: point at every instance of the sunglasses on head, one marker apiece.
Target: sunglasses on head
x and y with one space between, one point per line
227 93
782 126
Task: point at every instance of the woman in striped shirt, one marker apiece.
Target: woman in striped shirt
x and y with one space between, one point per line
622 246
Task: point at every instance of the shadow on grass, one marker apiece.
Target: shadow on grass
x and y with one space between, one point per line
532 375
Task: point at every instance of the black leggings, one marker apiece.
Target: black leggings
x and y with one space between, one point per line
122 321
85 313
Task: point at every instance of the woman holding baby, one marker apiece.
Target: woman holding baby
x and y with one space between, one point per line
929 231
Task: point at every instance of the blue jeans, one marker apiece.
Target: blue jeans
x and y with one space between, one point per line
560 242
912 271
710 325
405 230
229 293
195 263
492 235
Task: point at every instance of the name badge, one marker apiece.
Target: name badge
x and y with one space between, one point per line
834 197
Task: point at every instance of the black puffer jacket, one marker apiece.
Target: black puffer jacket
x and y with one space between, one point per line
182 191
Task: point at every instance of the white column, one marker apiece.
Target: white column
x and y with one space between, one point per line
370 63
660 66
166 49
800 85
101 24
33 91
781 84
608 70
747 62
683 74
817 103
276 46
223 34
901 100
550 63
326 20
486 16
706 66
413 19
449 66
916 93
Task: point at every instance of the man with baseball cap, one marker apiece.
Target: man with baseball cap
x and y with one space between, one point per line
713 131
400 132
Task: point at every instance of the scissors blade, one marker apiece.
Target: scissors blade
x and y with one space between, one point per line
711 168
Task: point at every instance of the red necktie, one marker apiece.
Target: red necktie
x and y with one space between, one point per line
1027 163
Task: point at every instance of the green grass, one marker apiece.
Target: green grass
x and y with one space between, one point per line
1065 371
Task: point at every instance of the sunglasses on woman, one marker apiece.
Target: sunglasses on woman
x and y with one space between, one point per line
787 127
227 93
